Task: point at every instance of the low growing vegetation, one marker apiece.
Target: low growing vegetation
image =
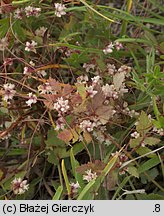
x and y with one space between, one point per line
81 99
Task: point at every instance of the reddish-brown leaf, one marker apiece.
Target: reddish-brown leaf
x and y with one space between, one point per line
66 135
97 167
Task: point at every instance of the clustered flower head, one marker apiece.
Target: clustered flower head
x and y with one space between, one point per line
109 48
61 105
160 131
87 125
31 46
111 69
110 91
59 9
89 175
74 187
45 89
135 135
18 13
19 186
121 159
89 67
32 11
32 99
9 91
96 80
8 61
91 92
82 79
127 111
26 70
60 124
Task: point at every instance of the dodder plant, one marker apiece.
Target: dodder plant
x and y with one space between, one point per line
81 110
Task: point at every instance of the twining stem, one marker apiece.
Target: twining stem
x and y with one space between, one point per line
95 11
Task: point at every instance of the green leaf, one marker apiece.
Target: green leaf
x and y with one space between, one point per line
53 140
85 190
133 171
58 193
19 31
4 26
135 142
144 124
65 177
151 196
82 90
151 141
149 164
144 150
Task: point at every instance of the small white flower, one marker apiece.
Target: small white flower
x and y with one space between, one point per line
32 99
26 70
59 9
96 80
91 92
87 125
89 176
61 105
19 186
82 79
124 69
109 91
135 135
42 73
6 137
9 91
60 124
18 14
74 187
8 61
45 89
160 131
31 46
88 67
118 45
111 69
3 43
32 11
32 63
108 49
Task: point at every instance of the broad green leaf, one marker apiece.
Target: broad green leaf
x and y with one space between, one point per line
82 90
144 124
4 26
149 164
53 140
151 141
135 142
133 171
144 150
